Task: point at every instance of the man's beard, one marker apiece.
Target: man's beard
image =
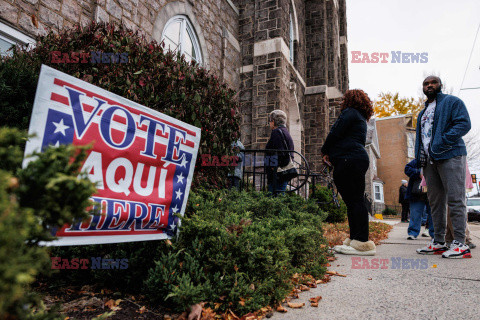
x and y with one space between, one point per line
433 94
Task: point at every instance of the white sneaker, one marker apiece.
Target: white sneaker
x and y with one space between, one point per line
352 251
433 248
457 250
426 233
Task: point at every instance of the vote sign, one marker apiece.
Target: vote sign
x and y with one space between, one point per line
141 160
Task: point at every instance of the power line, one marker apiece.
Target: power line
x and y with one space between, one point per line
471 52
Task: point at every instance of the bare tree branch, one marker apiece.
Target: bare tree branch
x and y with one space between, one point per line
472 141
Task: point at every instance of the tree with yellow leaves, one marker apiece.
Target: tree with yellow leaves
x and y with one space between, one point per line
391 104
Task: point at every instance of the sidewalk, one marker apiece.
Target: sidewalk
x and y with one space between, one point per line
397 292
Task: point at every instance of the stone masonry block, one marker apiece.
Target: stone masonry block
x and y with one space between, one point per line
25 21
125 4
101 15
129 24
26 7
51 18
114 9
8 12
70 10
52 4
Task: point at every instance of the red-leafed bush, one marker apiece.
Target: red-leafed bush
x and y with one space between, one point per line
152 77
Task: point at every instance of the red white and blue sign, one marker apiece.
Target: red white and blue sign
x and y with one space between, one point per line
141 159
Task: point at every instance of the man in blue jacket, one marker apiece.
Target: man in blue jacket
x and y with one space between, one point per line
440 150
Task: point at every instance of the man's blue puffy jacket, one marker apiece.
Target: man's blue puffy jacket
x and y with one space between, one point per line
451 123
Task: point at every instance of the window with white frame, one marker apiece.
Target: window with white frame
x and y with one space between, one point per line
378 192
179 36
9 37
411 144
5 44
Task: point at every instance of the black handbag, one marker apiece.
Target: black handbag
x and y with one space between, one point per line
289 171
417 188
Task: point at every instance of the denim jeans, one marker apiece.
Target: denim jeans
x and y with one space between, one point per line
277 187
417 209
424 217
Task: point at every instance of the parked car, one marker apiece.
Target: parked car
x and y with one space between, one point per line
473 209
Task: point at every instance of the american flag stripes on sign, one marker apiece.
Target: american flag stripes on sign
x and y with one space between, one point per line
141 160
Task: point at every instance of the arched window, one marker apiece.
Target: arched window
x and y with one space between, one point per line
179 36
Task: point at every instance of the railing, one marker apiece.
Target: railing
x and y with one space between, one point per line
254 173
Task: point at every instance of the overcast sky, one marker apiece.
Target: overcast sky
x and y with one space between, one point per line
444 29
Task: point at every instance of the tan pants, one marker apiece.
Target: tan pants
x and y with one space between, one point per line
449 234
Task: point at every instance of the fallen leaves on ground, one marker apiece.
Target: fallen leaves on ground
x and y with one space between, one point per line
295 305
335 273
281 309
314 301
208 314
335 233
378 231
82 304
113 304
303 287
196 311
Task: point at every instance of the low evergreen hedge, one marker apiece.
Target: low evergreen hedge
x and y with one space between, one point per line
30 201
239 249
323 197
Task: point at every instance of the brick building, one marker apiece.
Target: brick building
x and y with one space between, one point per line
279 54
396 137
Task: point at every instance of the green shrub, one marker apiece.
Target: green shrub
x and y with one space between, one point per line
323 197
240 249
19 263
389 211
152 77
54 187
23 222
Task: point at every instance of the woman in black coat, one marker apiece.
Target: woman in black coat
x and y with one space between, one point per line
344 148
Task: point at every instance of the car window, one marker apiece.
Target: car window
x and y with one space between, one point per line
473 202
